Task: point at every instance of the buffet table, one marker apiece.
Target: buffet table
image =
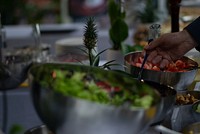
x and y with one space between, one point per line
20 107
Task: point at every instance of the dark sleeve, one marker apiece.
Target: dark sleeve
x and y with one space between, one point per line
194 30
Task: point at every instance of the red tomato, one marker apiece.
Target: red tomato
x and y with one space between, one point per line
140 60
107 87
180 64
150 65
138 64
146 66
156 68
103 85
172 68
53 74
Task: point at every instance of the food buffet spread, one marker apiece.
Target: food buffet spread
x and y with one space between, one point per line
62 104
67 96
184 109
74 98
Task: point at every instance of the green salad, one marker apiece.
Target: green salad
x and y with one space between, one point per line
198 108
89 87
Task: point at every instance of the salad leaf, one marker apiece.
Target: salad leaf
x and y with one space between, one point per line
84 86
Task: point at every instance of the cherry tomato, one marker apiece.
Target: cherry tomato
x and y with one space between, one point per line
180 64
107 87
138 64
140 60
156 68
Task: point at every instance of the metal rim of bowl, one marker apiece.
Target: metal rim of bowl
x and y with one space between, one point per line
194 109
42 128
188 129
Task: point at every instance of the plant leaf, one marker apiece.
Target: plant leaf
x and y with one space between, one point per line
96 61
101 52
128 48
108 64
16 129
84 50
113 10
118 32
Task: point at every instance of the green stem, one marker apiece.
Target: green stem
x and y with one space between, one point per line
90 56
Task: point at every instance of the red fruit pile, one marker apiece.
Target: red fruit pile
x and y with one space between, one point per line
178 66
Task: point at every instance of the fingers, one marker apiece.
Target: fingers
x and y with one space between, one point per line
164 63
160 58
161 61
152 55
165 55
157 59
153 44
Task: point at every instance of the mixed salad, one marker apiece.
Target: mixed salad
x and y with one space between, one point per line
87 86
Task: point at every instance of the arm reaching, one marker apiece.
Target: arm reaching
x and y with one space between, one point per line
172 46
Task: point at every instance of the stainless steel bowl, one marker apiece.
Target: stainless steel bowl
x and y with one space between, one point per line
196 114
69 115
15 65
168 98
14 72
177 80
192 129
195 94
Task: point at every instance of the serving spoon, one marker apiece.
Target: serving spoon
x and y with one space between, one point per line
144 61
154 32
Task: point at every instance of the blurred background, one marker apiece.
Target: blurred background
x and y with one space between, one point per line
29 12
61 11
62 20
49 11
22 12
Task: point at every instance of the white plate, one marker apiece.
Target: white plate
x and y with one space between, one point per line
52 28
69 45
74 41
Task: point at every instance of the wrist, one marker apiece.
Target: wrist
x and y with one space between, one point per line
193 30
189 39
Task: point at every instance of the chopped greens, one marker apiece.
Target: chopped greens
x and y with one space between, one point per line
94 84
85 86
76 85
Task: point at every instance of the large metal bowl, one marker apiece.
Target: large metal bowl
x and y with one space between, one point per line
192 128
177 80
182 115
14 72
196 114
38 130
195 94
69 115
168 98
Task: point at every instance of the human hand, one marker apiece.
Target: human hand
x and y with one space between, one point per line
169 47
